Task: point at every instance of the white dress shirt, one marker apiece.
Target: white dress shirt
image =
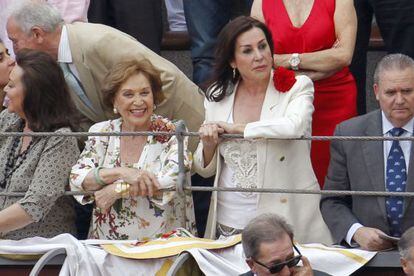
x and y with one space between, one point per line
406 148
64 53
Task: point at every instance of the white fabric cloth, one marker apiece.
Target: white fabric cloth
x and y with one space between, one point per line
85 259
228 261
333 261
82 259
79 261
239 170
406 148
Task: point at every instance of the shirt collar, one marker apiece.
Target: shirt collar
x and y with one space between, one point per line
387 125
64 54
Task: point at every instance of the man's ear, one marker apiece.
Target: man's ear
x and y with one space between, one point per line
376 91
404 265
250 263
38 34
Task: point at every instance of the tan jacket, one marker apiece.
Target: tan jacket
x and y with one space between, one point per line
96 48
280 164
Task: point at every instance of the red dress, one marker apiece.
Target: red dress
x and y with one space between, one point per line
335 97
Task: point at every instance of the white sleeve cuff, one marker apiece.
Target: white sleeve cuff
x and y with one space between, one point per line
351 233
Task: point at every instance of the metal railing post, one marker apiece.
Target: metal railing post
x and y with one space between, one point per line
179 130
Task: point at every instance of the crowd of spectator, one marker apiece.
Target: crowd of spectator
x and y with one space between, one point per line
269 75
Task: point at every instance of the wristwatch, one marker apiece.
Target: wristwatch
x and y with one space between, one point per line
294 61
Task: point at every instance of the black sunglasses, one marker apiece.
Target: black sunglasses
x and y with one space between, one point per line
278 267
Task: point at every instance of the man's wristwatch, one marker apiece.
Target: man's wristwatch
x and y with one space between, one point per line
294 61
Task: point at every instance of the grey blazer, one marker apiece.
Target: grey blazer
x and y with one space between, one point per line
359 166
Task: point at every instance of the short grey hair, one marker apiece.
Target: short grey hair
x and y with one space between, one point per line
28 14
267 227
392 62
405 243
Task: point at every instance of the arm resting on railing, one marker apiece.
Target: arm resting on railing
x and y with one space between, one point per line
12 218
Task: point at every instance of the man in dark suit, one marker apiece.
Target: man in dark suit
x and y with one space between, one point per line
268 246
375 165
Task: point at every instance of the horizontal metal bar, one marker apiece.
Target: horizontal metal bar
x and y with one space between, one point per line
300 191
196 134
255 190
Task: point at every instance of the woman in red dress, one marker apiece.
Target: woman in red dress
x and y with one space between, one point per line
316 38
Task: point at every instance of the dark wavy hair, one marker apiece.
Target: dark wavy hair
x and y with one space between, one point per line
47 104
224 54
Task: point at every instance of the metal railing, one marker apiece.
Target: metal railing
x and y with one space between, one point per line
181 186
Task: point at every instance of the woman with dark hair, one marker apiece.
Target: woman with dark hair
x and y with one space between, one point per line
39 101
248 98
6 65
127 172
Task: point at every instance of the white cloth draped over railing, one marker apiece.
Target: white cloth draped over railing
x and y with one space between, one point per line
84 258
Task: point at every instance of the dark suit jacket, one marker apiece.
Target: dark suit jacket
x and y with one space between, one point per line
359 166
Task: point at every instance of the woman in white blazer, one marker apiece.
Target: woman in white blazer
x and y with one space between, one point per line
247 97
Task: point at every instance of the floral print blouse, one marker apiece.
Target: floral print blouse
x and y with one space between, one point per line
139 218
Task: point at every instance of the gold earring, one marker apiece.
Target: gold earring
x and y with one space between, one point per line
115 110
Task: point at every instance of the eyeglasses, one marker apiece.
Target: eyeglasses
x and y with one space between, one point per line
278 267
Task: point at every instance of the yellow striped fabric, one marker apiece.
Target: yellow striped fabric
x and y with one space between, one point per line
168 247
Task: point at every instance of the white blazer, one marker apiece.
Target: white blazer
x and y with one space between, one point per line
281 164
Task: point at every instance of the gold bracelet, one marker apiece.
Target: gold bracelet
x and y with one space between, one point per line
122 189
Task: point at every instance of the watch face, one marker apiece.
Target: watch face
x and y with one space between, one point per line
294 61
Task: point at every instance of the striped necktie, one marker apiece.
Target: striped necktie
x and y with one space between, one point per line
74 84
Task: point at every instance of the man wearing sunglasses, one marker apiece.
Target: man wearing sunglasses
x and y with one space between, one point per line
268 246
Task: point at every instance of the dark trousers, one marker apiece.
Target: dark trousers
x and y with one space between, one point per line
139 18
83 219
201 202
205 19
395 19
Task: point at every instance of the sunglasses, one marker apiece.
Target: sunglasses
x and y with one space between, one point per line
278 267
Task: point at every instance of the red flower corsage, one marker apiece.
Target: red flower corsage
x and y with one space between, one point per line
283 79
159 123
